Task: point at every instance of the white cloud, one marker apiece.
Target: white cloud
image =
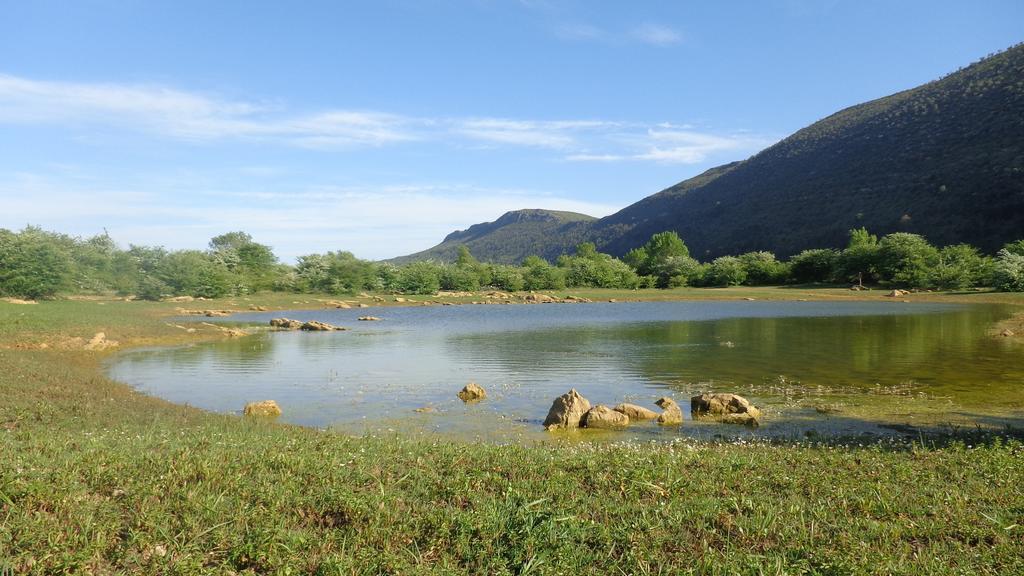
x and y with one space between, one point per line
580 32
170 113
656 34
191 116
669 146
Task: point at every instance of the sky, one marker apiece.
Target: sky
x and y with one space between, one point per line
378 127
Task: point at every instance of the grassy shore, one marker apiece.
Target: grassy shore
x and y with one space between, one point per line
95 478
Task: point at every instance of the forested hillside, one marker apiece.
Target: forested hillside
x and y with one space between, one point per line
944 160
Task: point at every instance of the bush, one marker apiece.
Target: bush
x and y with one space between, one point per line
419 278
906 260
725 271
508 278
538 274
961 266
762 269
459 278
33 264
812 266
1008 273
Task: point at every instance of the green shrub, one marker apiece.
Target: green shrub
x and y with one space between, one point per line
812 266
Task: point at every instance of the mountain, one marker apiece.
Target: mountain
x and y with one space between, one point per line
511 238
945 160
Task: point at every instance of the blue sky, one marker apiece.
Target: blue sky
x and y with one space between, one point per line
380 126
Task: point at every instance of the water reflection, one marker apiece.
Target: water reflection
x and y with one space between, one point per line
525 355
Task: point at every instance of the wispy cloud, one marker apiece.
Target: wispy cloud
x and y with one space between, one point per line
646 33
656 34
189 116
671 146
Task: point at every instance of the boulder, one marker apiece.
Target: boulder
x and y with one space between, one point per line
369 319
258 308
538 299
722 404
897 294
472 392
285 324
636 412
601 416
671 413
317 326
264 408
744 419
665 402
1007 333
566 411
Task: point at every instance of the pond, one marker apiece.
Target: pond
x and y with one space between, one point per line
815 368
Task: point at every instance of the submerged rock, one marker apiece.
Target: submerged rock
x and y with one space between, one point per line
726 406
471 392
264 408
566 411
601 416
636 412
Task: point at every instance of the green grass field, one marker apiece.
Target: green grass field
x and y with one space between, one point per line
97 479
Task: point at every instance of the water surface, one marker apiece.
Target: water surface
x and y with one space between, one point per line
816 367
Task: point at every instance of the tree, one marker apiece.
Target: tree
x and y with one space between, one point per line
1015 247
253 263
725 271
419 278
194 273
859 261
508 278
811 266
665 257
961 266
33 264
1008 273
762 269
539 274
906 259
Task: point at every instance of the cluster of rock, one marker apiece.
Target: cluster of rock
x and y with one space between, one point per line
207 313
368 319
897 294
572 410
310 326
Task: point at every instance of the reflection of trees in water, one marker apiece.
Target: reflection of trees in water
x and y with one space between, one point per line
946 352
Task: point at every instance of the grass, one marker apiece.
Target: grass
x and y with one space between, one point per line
95 478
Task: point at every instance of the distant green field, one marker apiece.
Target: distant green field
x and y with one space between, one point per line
95 478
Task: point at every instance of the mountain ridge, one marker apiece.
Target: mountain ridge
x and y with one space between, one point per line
944 159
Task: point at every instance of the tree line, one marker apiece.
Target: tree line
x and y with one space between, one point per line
38 264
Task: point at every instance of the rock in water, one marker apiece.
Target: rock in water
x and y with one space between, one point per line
636 412
725 405
317 326
369 319
264 408
743 418
566 411
285 324
471 392
601 416
671 413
